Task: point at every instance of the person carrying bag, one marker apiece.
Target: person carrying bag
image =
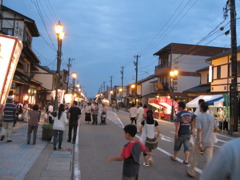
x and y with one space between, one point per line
147 132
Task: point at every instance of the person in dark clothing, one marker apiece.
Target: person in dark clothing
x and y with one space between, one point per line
8 119
74 115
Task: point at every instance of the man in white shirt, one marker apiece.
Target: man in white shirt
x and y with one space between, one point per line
133 114
140 113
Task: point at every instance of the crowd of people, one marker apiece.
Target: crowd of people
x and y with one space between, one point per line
142 122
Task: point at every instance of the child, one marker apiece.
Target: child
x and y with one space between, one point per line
130 154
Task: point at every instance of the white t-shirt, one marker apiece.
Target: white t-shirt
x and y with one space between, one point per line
140 113
133 112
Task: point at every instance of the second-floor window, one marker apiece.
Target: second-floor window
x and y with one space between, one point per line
218 72
8 31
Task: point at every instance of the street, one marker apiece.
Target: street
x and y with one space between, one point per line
98 142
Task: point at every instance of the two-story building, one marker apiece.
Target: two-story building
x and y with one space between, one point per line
185 58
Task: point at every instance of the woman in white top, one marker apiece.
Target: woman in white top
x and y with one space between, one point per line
60 120
147 129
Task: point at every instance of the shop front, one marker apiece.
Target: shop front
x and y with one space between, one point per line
163 107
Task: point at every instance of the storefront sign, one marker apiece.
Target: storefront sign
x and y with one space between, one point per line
10 51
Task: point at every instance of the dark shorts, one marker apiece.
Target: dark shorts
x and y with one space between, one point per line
182 139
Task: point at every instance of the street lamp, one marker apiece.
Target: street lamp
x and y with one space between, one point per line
133 86
60 35
74 77
173 75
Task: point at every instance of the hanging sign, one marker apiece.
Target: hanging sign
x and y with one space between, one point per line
10 51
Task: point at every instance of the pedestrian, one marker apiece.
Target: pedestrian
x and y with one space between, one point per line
8 119
95 113
183 130
145 111
74 116
87 110
140 113
104 114
25 111
60 120
130 154
225 163
206 126
133 114
49 111
147 129
34 115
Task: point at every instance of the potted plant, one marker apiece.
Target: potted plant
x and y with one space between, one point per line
47 132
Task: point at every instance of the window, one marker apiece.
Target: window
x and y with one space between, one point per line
218 72
7 31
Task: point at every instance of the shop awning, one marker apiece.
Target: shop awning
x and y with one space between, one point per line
210 99
162 102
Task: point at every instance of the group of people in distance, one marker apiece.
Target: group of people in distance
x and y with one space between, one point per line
222 166
92 111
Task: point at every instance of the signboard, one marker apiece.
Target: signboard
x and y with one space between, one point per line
60 95
10 51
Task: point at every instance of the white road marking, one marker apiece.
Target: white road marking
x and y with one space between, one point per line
76 162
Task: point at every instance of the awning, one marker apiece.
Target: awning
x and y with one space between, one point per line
210 99
162 102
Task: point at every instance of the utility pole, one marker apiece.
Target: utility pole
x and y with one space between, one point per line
104 86
69 65
234 83
122 71
111 81
136 68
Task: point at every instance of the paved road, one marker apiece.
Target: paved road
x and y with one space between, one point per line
97 142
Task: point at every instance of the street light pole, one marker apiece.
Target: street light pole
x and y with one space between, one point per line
60 34
74 77
173 75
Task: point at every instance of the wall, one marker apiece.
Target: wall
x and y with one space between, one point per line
147 87
45 79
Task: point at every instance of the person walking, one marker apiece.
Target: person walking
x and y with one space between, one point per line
25 111
147 129
183 130
133 114
60 120
95 113
34 115
74 116
130 154
87 110
206 126
104 114
225 163
140 113
145 111
8 119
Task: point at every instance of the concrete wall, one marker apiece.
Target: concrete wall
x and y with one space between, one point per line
147 86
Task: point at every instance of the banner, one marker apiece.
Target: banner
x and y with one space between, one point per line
10 51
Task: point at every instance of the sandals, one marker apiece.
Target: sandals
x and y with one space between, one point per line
172 158
184 162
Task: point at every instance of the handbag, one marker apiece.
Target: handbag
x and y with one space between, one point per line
151 143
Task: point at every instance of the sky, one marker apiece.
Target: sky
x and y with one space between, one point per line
104 35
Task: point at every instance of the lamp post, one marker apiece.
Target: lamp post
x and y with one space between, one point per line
74 77
60 35
133 86
173 75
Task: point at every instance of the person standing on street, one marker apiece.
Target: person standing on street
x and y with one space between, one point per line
95 113
33 124
140 113
60 120
8 119
145 111
74 116
133 114
25 111
225 163
182 132
130 154
87 110
205 124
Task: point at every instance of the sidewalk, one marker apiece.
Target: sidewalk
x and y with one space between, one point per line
19 161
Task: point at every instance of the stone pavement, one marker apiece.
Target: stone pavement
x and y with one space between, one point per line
19 161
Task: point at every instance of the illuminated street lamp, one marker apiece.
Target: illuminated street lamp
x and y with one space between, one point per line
74 77
133 86
173 75
60 35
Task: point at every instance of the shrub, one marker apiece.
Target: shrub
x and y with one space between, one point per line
47 126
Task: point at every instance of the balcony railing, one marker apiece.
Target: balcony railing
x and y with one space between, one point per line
160 66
